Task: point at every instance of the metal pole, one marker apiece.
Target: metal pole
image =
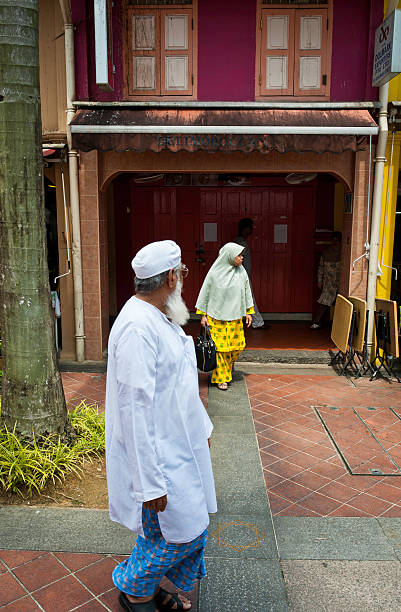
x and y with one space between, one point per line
376 213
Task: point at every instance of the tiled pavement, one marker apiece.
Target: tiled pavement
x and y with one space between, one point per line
37 580
84 386
61 582
58 582
91 388
304 473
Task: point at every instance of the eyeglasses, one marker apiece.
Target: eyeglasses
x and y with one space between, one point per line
184 271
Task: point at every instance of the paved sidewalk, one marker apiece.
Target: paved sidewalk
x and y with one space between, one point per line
76 575
91 388
304 472
302 559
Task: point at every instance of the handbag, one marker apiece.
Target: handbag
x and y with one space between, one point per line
205 350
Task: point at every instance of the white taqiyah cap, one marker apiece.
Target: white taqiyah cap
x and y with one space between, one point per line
155 258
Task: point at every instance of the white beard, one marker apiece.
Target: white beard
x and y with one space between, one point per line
176 309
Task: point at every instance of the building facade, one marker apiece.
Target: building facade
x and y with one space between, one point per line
193 114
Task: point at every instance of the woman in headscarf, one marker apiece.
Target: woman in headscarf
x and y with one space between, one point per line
226 297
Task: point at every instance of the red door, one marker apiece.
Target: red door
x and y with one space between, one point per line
277 233
210 229
187 236
201 220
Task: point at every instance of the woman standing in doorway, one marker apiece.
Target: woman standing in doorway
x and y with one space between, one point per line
225 297
328 279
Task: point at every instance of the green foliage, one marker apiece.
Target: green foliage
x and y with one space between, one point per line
26 467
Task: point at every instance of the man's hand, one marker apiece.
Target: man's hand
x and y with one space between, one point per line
157 505
248 320
203 320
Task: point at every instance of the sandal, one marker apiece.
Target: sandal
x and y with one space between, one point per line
222 386
165 601
147 606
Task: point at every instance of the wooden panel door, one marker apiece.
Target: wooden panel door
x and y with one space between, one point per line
201 220
144 42
210 219
302 268
176 52
164 214
277 52
278 236
256 208
310 53
233 208
187 236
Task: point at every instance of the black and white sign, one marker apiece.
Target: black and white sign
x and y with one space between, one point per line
387 57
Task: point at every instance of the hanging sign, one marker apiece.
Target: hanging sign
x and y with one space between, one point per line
103 44
387 57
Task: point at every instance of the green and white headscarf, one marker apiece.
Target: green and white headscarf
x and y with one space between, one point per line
226 294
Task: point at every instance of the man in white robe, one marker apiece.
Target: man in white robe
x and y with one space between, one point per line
159 472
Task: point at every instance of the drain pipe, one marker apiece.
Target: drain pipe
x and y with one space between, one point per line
74 186
374 270
373 249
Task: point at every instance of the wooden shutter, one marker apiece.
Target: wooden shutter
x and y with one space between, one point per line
176 52
277 53
144 40
310 53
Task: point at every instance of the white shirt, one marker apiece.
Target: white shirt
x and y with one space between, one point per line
156 425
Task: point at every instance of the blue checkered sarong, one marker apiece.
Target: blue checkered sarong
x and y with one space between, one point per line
153 558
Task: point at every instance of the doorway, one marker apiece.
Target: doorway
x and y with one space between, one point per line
202 219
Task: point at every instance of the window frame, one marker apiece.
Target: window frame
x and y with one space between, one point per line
160 10
326 56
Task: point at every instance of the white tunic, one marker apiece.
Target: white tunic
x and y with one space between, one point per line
156 425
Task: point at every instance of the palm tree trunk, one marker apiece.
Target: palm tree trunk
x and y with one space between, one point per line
32 392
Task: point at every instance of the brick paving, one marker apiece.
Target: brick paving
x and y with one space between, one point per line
304 476
304 473
37 580
59 581
91 388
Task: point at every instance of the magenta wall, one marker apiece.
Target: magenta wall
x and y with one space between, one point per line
354 24
86 88
226 49
78 10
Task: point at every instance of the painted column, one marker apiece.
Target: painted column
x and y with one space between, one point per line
104 270
354 282
91 213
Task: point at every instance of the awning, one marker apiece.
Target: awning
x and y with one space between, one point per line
318 131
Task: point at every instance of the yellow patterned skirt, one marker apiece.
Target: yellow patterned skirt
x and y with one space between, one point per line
229 339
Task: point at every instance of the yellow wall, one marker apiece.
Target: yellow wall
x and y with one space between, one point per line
389 199
389 205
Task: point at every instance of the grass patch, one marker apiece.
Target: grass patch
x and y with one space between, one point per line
27 467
